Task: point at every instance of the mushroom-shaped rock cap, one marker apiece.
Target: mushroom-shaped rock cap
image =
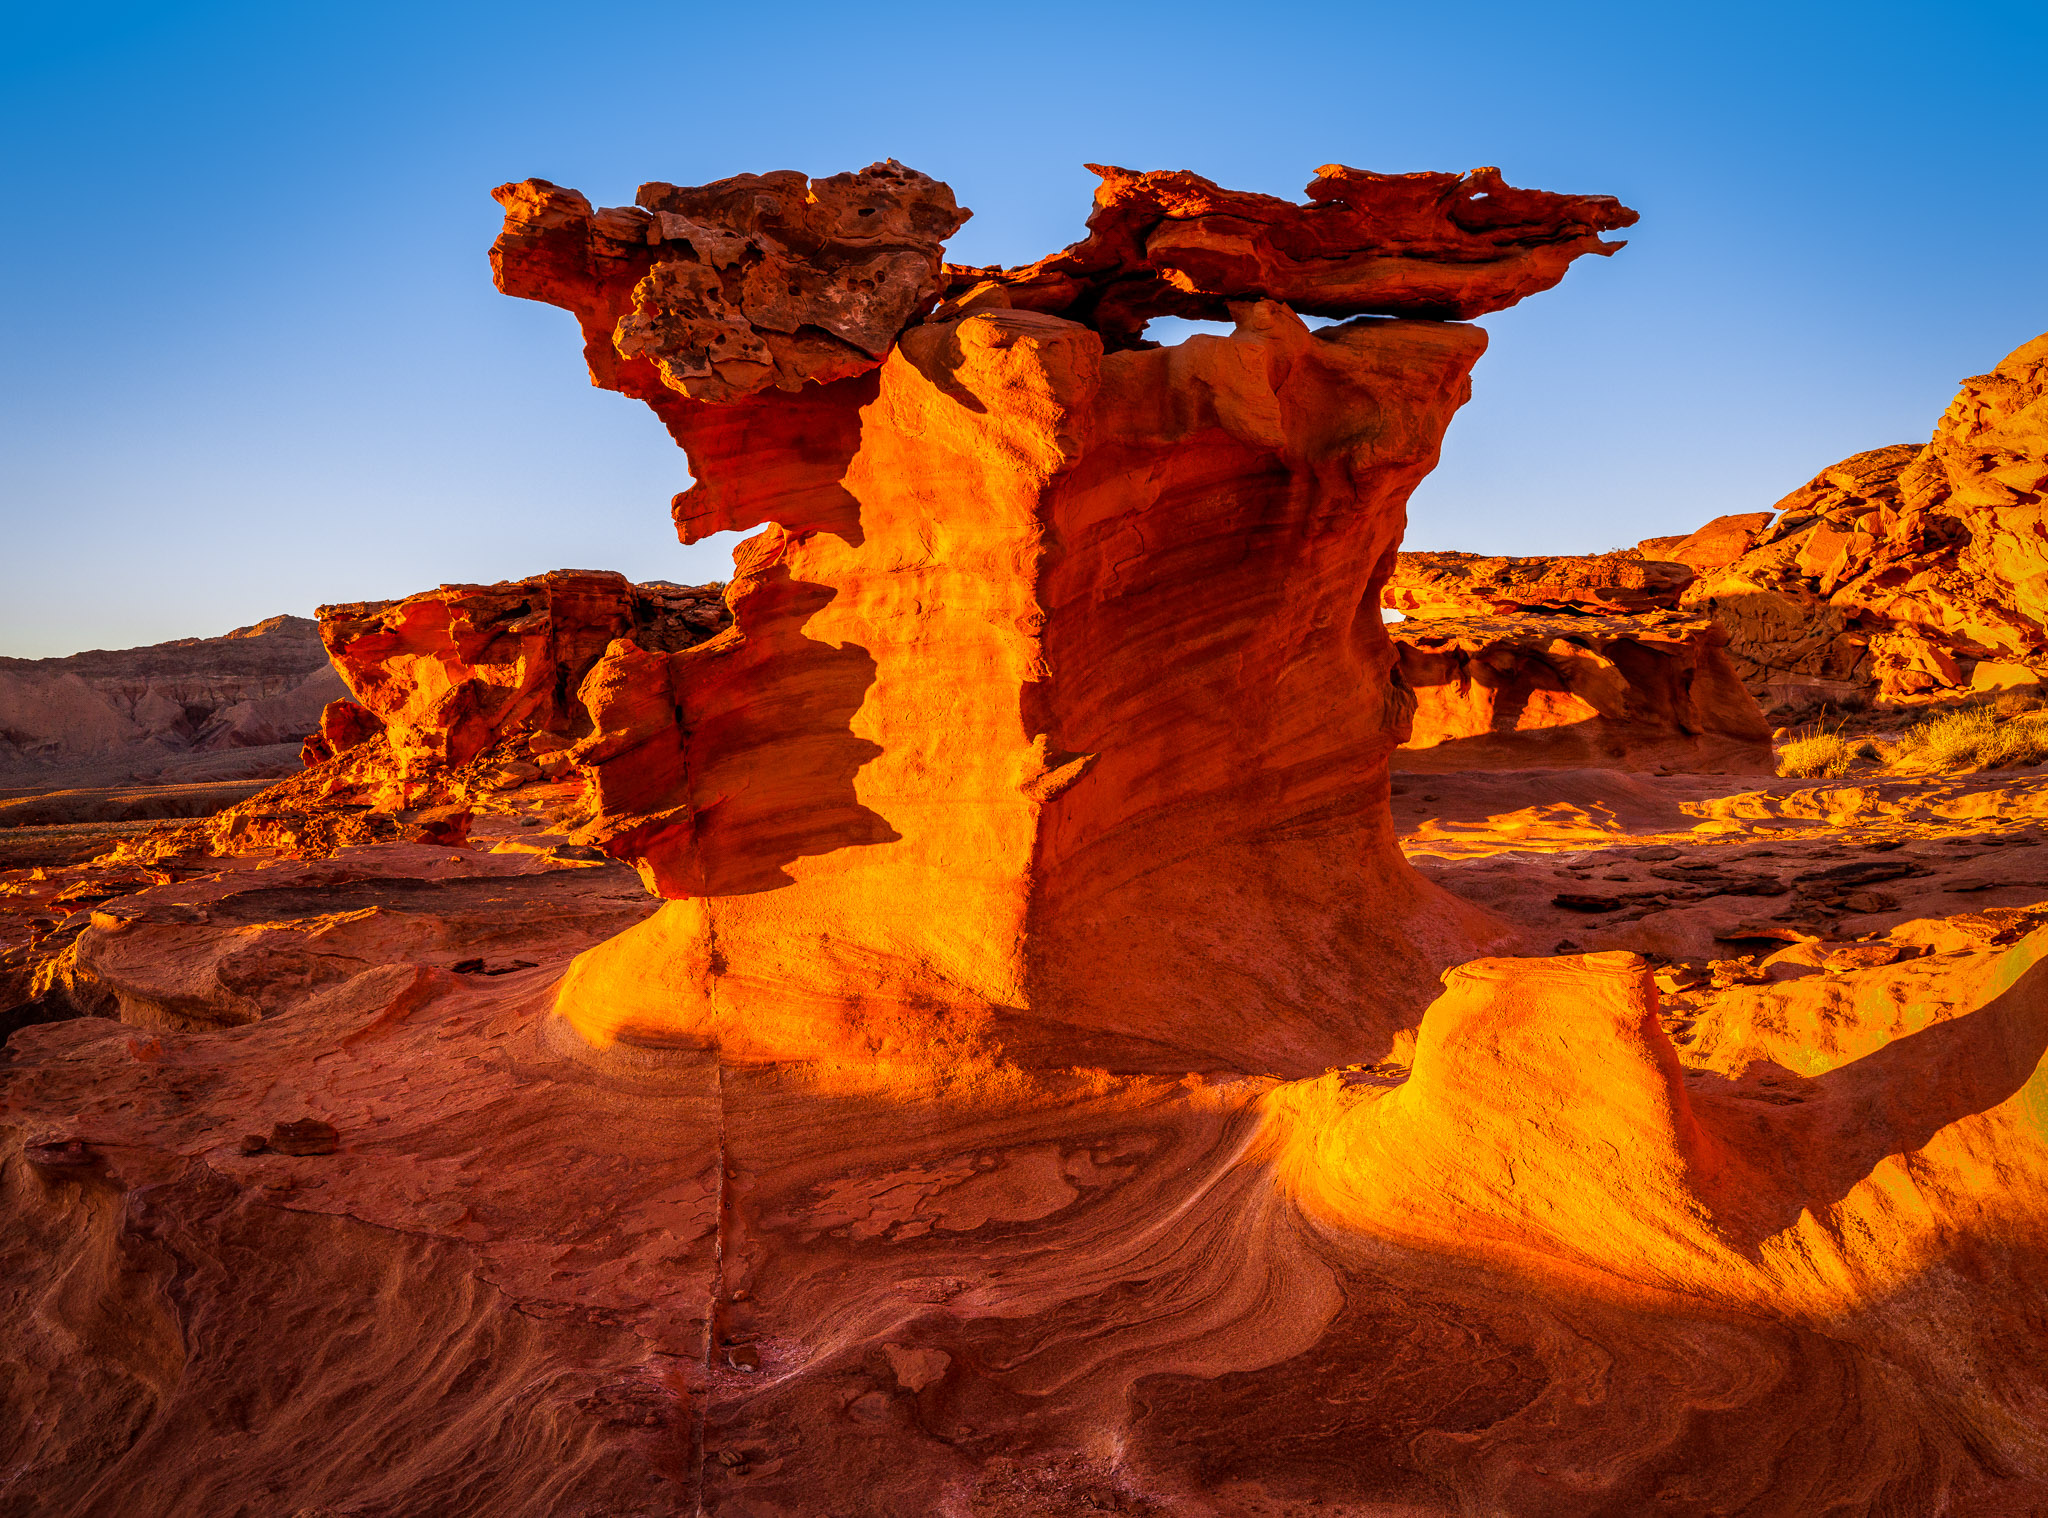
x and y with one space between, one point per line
729 288
717 292
1171 243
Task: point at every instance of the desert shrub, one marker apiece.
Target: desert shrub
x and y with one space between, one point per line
1816 755
1976 737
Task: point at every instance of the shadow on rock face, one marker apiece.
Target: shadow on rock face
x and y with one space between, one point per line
771 749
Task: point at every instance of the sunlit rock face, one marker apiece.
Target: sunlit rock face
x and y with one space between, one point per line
1484 585
1654 691
458 693
341 1217
1901 574
1056 710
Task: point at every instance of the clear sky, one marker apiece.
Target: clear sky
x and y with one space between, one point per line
251 360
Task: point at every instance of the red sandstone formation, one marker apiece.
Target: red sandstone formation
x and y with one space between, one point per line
1031 667
460 691
448 673
718 291
1172 243
1721 542
1903 573
1633 693
336 1148
343 725
1475 585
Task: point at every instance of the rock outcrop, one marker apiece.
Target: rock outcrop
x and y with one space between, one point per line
139 707
719 291
1022 738
1655 691
1478 585
333 1141
461 691
1901 574
449 673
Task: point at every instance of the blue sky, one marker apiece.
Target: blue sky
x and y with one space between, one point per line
251 360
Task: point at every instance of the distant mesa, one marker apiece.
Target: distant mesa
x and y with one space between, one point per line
258 687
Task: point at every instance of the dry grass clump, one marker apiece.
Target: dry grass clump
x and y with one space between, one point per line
1994 737
1819 755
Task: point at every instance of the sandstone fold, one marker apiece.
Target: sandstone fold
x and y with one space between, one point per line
1054 717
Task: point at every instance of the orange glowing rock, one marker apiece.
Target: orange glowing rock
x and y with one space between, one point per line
343 725
1632 693
1478 585
462 691
1172 243
449 672
1546 1124
1055 714
1902 573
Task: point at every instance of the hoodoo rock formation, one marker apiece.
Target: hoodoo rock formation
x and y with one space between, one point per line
1023 737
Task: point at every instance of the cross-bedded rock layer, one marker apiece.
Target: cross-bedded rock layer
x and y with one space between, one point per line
1024 735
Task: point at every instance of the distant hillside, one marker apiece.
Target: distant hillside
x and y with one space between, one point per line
141 707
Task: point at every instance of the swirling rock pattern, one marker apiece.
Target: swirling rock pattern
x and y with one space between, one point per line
1021 1102
1543 1261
